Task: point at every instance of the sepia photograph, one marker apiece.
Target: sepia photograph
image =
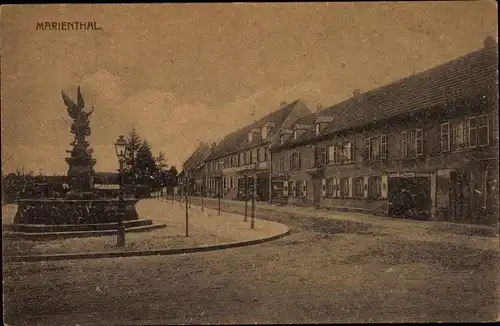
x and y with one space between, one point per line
250 163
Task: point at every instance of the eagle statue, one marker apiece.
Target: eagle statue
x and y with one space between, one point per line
76 110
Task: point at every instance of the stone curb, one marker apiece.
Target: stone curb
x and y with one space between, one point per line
154 252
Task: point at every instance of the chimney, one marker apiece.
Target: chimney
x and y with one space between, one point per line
489 42
357 96
319 107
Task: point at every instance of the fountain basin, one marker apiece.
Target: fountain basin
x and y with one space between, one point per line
57 211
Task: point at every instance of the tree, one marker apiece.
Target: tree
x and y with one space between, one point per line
161 162
172 172
145 164
133 146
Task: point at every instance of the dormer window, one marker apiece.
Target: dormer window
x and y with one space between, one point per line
282 139
266 129
250 137
321 122
264 132
295 135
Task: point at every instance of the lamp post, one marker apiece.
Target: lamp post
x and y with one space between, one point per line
121 150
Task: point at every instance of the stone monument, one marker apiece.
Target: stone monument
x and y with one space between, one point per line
81 164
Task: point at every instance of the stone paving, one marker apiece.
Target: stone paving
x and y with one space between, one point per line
323 272
443 232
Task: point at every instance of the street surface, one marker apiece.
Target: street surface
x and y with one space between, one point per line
321 273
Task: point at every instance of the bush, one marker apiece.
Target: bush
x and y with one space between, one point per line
142 191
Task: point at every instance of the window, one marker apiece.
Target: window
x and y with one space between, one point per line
468 133
298 189
330 187
225 182
231 180
295 134
347 149
459 138
383 146
282 164
374 187
376 148
317 129
264 132
295 161
483 138
419 142
367 149
359 190
335 159
330 153
319 155
282 139
412 143
266 153
445 137
472 131
344 187
262 154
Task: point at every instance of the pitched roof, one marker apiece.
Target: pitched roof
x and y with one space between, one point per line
304 120
198 156
238 139
464 77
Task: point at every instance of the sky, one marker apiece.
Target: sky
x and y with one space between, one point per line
185 73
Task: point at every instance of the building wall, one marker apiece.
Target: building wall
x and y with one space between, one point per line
237 171
433 164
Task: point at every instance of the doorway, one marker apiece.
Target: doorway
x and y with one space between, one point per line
316 191
410 198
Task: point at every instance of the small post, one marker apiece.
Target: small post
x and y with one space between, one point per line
254 192
202 195
219 199
245 180
187 215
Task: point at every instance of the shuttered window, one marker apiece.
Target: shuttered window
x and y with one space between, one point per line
445 137
483 138
383 146
329 187
344 187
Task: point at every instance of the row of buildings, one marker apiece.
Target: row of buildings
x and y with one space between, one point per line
424 147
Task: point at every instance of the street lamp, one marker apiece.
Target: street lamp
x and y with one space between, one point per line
121 151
